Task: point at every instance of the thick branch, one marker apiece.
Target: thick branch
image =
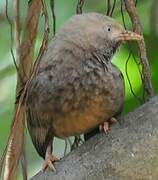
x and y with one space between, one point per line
129 151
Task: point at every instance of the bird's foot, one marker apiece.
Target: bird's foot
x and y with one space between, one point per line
49 162
113 120
106 125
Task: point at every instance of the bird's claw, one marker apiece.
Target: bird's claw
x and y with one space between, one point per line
113 120
105 126
49 162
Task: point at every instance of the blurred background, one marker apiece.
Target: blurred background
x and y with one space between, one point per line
148 13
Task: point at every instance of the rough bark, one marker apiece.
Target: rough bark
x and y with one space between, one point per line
128 151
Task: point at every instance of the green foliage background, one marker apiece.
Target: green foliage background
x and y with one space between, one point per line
64 10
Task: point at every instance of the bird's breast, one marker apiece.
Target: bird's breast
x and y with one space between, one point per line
73 100
88 101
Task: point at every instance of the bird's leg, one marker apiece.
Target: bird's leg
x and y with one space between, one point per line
50 159
106 124
77 141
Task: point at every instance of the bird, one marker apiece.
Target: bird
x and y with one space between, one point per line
76 87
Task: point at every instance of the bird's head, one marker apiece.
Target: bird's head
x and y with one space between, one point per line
96 32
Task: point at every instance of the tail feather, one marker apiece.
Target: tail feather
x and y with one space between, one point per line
40 135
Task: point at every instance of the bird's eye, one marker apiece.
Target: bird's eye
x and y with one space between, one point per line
109 29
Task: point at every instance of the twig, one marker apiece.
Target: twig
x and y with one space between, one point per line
141 76
131 9
44 41
136 2
79 6
129 82
126 65
52 5
112 9
17 28
11 34
108 7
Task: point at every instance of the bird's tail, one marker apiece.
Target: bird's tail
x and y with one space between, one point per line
39 134
14 149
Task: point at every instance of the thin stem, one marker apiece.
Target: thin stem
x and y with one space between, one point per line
11 35
52 5
112 9
17 27
108 7
79 6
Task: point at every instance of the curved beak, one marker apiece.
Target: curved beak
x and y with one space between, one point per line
129 36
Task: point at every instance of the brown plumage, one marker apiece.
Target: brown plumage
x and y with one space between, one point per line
77 87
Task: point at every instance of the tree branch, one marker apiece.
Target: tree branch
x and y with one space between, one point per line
131 9
128 151
28 41
25 51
